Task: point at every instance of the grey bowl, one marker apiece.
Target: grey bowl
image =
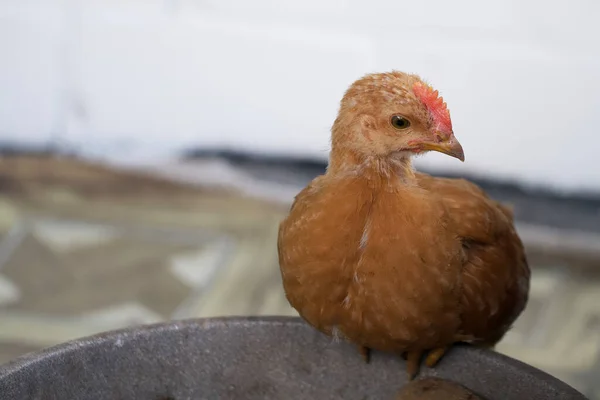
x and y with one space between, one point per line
249 358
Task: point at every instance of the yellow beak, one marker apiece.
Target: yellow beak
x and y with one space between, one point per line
451 147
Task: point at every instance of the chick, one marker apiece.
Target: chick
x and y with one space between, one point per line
395 260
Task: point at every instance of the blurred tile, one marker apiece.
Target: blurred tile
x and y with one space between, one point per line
11 350
65 236
8 215
196 268
97 276
9 292
42 330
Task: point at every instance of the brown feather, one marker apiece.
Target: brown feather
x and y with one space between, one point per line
495 277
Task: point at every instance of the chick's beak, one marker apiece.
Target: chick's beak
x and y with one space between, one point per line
449 146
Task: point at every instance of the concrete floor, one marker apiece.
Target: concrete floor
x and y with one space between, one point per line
84 249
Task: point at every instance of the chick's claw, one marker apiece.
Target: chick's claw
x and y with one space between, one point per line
413 361
435 356
365 352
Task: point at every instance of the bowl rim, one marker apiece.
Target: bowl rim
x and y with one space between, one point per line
30 359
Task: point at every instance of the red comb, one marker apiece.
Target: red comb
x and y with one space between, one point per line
436 106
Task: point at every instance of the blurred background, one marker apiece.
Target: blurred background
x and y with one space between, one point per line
149 149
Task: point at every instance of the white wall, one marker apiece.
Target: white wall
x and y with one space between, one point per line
30 69
150 76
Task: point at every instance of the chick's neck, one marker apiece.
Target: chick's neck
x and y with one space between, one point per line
380 170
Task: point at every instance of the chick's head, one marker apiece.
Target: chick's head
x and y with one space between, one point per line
394 114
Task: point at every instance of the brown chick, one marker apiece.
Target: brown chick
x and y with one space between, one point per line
435 389
395 260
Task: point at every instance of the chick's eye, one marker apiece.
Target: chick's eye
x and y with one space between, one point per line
399 122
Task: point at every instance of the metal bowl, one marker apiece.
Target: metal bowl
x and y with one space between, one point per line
250 358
